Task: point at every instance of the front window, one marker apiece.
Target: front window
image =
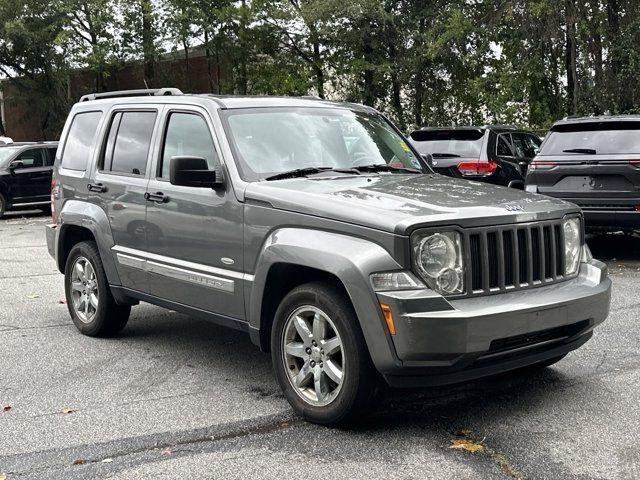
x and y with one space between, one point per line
6 153
269 141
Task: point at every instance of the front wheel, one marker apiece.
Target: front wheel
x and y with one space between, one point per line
319 355
91 305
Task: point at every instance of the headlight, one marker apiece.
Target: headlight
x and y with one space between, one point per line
572 245
438 260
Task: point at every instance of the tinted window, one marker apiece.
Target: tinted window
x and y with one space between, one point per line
603 137
52 156
31 158
128 142
187 135
81 140
460 143
504 149
524 145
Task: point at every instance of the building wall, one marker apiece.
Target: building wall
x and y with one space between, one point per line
23 123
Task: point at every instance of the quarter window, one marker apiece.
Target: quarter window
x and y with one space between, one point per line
81 140
128 142
187 135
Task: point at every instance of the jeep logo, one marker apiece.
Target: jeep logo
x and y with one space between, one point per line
514 207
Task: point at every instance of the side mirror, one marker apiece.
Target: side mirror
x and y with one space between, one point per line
193 172
17 165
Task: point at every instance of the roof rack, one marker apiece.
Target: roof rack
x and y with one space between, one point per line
131 93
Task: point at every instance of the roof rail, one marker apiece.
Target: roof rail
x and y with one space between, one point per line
131 93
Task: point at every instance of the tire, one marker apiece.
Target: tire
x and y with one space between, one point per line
338 403
108 318
3 205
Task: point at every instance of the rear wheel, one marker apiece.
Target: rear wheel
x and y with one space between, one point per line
91 305
319 355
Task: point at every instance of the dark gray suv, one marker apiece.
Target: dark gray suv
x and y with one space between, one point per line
595 163
317 229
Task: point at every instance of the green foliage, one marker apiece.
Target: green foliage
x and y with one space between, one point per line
437 62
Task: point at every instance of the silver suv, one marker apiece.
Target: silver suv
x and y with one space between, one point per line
318 230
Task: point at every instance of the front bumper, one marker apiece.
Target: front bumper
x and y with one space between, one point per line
439 342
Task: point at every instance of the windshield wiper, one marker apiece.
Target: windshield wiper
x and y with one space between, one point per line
586 151
298 172
383 167
445 155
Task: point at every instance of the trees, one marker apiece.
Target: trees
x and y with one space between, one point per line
464 61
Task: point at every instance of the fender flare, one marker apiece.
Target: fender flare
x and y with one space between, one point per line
94 219
350 259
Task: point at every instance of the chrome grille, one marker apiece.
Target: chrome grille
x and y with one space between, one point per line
514 257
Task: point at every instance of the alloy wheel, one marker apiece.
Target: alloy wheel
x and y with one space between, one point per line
313 355
84 290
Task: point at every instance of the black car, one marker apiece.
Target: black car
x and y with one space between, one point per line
595 163
491 153
25 175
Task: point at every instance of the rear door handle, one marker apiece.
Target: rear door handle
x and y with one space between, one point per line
96 187
158 197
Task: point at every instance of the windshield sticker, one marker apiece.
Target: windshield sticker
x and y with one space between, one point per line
404 146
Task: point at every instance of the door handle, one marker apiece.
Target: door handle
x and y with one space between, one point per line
157 197
96 187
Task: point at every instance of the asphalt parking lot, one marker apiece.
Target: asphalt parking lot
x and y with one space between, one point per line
175 397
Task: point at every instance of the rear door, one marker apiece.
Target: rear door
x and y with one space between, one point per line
119 185
589 160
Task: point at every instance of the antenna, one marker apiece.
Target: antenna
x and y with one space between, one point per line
145 83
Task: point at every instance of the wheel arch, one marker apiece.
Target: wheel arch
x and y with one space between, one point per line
293 256
83 221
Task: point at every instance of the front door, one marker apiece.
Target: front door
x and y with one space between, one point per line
31 177
194 235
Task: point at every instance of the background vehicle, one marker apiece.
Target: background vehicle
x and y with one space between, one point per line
595 163
5 140
492 153
25 175
317 229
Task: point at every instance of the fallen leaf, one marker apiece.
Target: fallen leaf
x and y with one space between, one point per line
465 444
165 452
6 409
463 433
33 295
78 461
67 410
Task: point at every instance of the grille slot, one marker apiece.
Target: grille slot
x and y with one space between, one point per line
515 257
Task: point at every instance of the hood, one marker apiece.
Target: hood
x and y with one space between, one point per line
400 203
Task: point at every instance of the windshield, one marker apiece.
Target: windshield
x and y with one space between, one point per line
459 143
609 138
6 153
269 141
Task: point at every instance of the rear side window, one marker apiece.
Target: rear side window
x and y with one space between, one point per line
608 138
52 156
187 135
128 142
458 143
81 140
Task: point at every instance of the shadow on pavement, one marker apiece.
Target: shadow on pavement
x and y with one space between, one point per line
614 246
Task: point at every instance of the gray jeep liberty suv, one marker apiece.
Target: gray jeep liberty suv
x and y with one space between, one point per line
316 228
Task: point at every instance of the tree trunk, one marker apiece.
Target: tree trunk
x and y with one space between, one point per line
570 57
241 76
368 96
317 68
148 49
